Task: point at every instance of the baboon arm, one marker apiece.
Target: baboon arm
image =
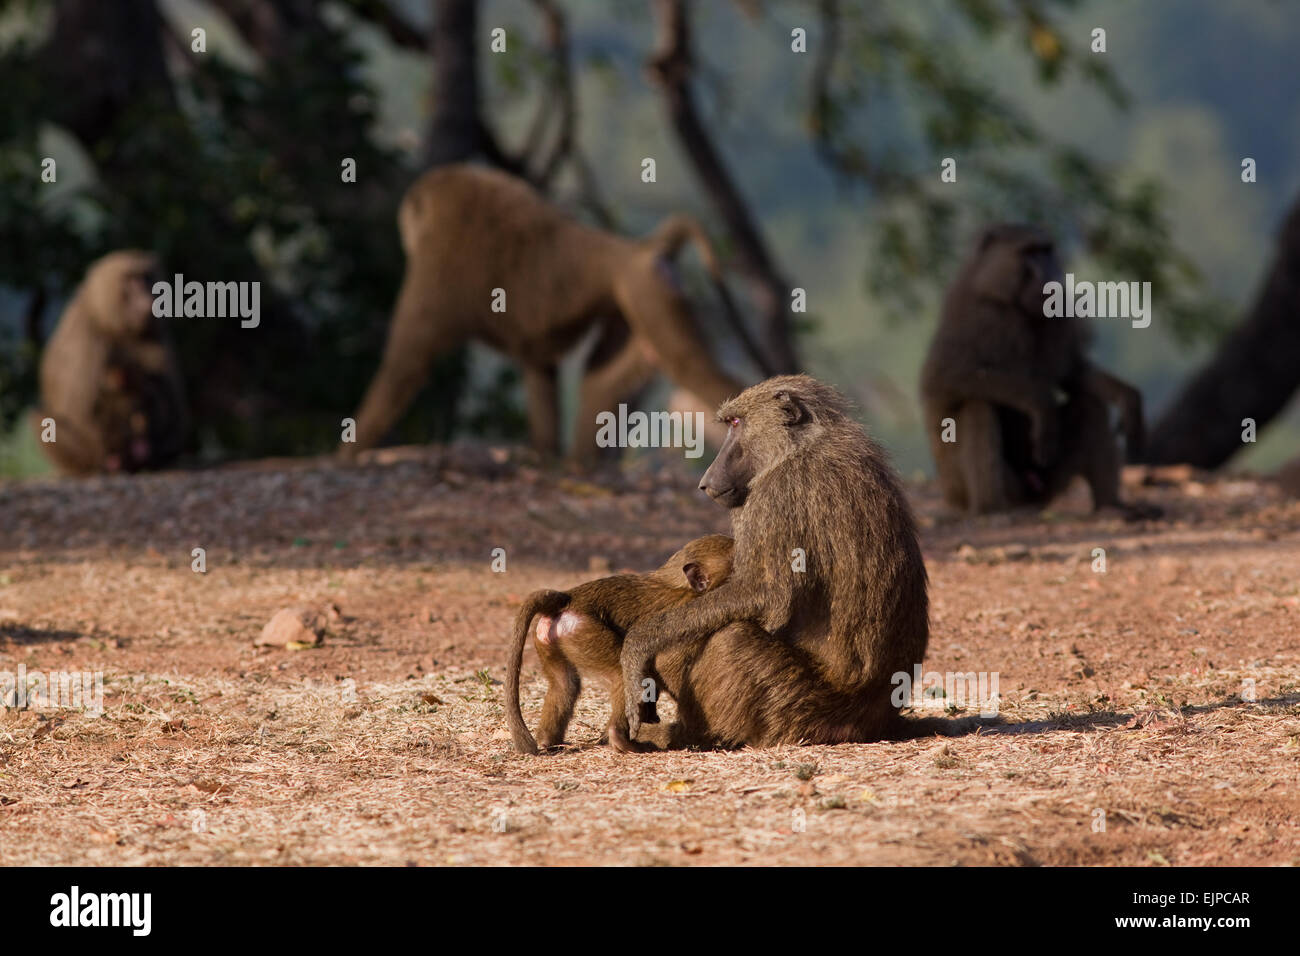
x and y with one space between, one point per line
1032 396
1126 398
706 615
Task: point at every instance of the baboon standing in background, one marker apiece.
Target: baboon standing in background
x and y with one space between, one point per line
109 377
826 601
1030 410
581 632
468 231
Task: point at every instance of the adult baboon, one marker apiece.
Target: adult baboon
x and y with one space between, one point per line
109 377
1028 410
827 595
581 632
488 259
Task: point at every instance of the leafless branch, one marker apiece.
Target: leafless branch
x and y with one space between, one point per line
400 30
590 190
670 68
557 40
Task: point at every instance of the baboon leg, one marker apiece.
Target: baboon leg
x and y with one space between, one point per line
947 466
742 686
618 366
979 455
1117 392
1091 450
541 384
563 686
617 731
416 336
659 313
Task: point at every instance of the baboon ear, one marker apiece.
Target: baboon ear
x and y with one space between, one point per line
794 411
696 576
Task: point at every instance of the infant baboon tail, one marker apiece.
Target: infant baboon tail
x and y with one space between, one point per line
669 237
539 602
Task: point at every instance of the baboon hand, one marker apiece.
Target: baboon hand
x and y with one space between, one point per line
635 662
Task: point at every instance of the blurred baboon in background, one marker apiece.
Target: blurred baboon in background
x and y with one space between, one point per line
109 377
1028 410
488 259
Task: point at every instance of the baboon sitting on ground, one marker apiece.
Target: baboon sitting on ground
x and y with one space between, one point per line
109 377
1024 408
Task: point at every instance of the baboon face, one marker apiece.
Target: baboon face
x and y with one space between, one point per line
137 301
765 424
1012 264
727 480
121 290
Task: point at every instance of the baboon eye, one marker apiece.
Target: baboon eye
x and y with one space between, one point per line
733 422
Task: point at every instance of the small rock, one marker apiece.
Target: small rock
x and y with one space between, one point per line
299 626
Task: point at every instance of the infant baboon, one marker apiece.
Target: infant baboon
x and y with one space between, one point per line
488 259
826 600
1029 410
109 376
120 417
581 632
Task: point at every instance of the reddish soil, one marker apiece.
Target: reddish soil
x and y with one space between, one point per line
1121 692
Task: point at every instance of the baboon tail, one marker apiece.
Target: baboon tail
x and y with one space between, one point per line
677 230
539 602
669 237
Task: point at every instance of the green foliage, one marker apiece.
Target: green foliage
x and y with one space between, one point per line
1007 167
17 377
241 181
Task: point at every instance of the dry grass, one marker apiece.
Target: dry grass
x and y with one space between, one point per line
1120 692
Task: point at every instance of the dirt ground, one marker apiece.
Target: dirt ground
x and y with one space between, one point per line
1123 739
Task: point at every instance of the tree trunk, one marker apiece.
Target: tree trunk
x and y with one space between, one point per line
456 130
1252 375
101 59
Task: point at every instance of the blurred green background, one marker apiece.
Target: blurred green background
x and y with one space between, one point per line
847 197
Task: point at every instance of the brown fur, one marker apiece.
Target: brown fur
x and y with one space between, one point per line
121 417
589 637
468 230
109 376
1031 411
776 655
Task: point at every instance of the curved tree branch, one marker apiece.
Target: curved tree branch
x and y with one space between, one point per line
557 40
670 68
401 31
